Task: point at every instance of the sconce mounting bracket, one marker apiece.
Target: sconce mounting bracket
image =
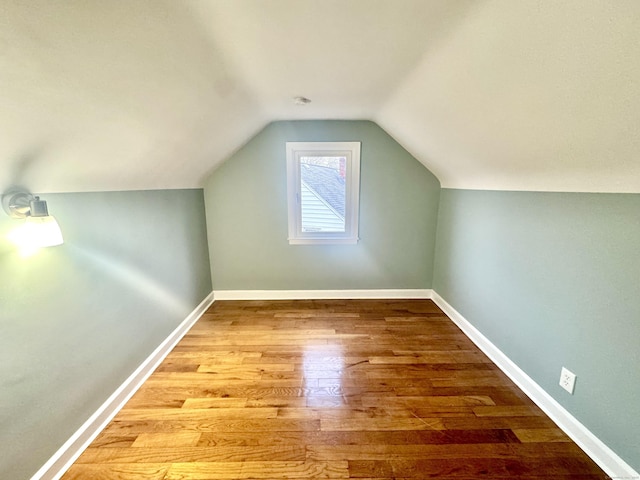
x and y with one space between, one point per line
17 203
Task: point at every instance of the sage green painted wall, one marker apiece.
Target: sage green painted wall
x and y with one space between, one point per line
246 204
78 319
553 279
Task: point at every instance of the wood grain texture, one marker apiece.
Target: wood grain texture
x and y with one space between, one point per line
367 389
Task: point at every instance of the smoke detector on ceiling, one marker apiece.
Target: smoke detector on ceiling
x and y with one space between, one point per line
301 100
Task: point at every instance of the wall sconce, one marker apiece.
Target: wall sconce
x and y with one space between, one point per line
39 228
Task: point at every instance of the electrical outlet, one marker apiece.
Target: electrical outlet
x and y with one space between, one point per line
567 380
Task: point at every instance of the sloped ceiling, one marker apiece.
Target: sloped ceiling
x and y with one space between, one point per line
488 94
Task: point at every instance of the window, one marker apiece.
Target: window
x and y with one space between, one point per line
323 192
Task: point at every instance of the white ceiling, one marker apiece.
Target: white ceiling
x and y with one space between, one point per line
488 94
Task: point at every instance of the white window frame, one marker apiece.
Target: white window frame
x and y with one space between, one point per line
350 150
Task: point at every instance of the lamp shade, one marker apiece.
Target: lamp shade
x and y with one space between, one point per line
39 228
43 231
37 232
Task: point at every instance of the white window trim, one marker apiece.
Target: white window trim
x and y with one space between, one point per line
351 150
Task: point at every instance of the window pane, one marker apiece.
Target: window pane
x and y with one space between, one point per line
323 193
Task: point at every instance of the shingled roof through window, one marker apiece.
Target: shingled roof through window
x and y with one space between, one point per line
327 183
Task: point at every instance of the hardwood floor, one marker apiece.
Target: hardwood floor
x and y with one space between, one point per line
373 389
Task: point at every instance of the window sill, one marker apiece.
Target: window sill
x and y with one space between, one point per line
323 241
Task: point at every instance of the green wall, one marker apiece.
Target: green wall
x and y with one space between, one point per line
78 319
553 279
246 204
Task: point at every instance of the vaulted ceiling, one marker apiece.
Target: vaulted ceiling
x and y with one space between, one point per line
488 94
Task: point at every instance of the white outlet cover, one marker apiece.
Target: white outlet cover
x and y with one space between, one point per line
567 380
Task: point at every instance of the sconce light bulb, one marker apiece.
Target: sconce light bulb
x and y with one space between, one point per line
39 228
36 232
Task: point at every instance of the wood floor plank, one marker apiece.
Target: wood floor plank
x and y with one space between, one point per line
194 414
107 440
426 358
256 470
507 411
239 370
217 402
213 425
543 435
486 467
380 424
428 401
179 439
462 452
178 454
362 389
126 471
395 437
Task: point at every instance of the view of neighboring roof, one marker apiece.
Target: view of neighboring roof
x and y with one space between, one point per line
327 183
323 192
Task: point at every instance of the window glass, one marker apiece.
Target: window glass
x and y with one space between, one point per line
323 193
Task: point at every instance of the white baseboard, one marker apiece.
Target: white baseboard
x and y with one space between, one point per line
60 462
320 294
606 458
